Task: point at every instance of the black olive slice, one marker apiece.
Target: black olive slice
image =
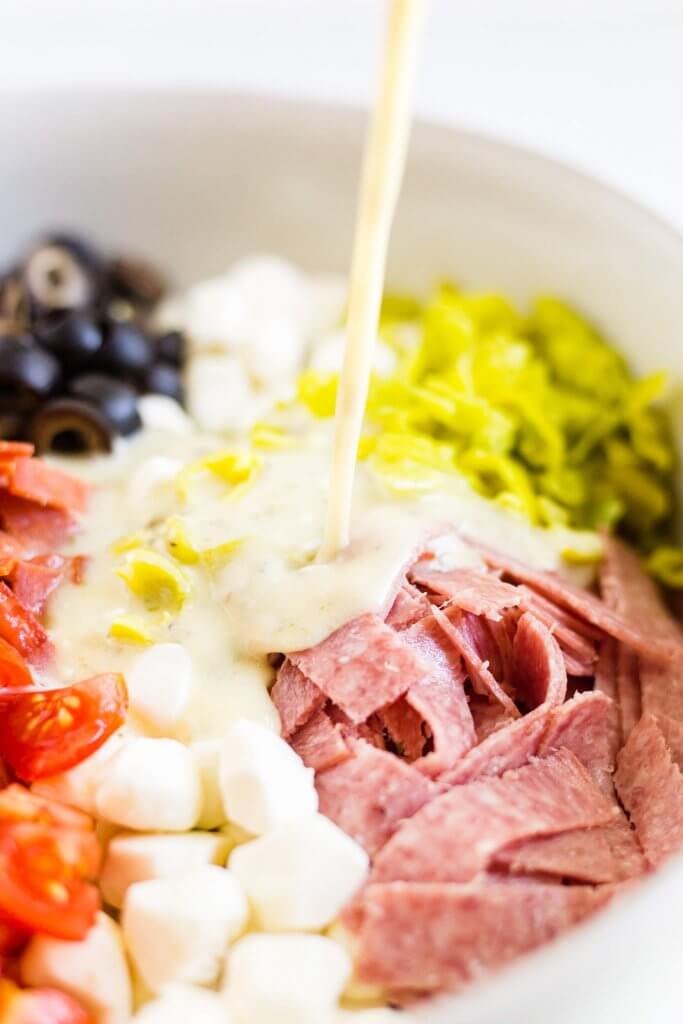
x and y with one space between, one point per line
115 401
126 350
70 427
56 278
136 280
27 373
73 337
172 348
164 379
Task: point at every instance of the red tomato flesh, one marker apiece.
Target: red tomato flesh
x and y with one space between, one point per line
14 671
48 731
20 628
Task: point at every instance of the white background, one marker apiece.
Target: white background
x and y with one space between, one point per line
596 82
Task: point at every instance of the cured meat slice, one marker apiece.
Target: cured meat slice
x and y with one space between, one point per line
455 836
296 697
439 699
583 855
371 793
673 734
481 593
628 690
587 726
455 628
584 605
40 530
628 589
540 676
508 747
488 717
606 668
426 937
410 605
650 786
362 667
320 743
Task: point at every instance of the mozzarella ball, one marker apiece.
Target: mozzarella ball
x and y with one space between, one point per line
178 929
160 685
288 979
263 782
207 756
163 414
219 394
78 786
94 971
184 1004
150 785
299 876
135 857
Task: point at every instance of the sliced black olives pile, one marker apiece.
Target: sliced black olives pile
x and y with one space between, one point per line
77 348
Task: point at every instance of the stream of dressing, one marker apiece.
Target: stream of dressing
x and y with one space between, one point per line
383 166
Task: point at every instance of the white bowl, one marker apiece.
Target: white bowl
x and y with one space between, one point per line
197 180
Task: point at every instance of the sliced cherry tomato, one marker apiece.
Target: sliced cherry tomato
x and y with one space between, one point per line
48 731
19 804
12 936
42 879
13 669
45 485
39 1006
20 628
40 530
33 580
11 450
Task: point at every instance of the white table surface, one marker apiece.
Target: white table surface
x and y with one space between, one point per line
598 83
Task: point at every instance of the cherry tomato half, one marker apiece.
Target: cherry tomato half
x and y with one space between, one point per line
48 731
18 804
13 669
43 885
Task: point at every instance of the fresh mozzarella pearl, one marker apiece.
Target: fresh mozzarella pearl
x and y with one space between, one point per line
152 484
288 979
93 970
184 1004
219 393
78 786
263 782
207 754
299 876
164 414
178 929
136 858
160 689
150 785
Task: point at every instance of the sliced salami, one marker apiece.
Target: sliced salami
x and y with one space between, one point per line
320 743
426 937
371 793
586 725
509 747
584 605
458 629
296 698
410 605
650 786
456 835
539 673
362 667
481 593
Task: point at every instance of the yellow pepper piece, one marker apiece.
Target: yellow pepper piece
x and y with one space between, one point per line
155 579
178 541
129 542
129 629
217 556
234 467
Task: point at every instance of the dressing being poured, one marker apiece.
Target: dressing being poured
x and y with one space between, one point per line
383 166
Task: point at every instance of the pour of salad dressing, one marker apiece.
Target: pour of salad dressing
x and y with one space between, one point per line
383 166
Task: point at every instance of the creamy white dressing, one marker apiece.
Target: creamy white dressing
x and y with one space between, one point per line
270 595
